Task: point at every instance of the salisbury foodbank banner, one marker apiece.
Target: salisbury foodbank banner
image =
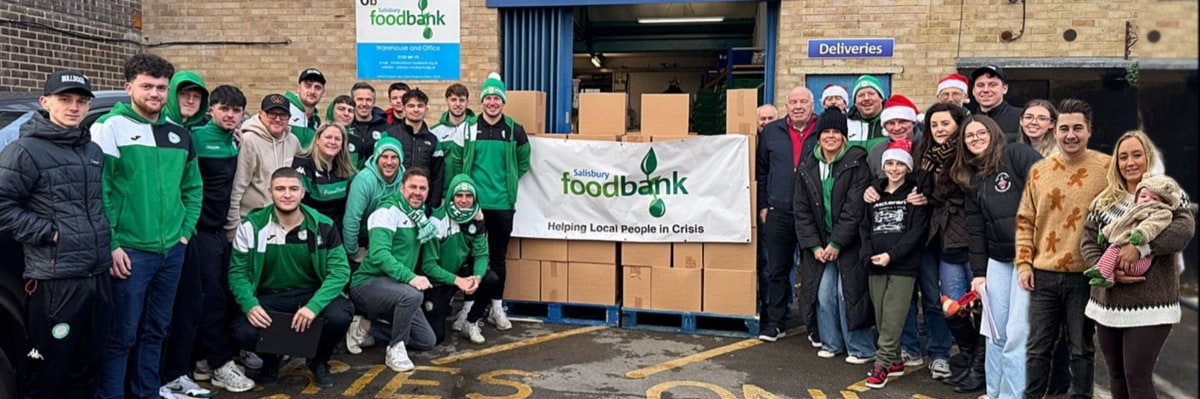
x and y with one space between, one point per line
407 39
696 189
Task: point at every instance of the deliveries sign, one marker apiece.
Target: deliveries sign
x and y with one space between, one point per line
407 39
684 190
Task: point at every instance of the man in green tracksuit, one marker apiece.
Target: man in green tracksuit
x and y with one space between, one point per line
305 120
463 255
456 113
494 150
287 258
387 283
152 193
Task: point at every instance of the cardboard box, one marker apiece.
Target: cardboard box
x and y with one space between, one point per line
602 113
729 256
524 280
687 255
540 249
753 141
646 254
665 114
753 203
592 251
676 289
555 282
594 283
514 249
741 111
730 291
594 137
661 138
527 108
635 138
635 286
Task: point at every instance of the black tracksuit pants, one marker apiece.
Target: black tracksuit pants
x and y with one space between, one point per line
67 322
499 225
201 308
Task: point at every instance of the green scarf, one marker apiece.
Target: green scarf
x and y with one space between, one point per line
425 229
456 214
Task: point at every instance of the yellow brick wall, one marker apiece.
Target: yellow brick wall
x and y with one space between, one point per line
1176 21
321 35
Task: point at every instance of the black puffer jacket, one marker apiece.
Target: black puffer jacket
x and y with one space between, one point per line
50 183
991 206
422 149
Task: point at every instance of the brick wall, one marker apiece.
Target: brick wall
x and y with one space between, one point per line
28 54
321 35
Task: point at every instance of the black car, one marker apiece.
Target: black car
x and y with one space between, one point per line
14 111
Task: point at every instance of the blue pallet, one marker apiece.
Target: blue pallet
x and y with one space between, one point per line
580 314
690 322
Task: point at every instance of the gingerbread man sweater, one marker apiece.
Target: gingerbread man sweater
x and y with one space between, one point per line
1053 207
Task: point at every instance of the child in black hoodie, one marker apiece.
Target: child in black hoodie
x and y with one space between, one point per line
892 230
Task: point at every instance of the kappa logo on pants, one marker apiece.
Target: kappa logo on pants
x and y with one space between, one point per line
34 354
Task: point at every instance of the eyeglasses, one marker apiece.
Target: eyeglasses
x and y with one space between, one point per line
278 117
973 135
1038 118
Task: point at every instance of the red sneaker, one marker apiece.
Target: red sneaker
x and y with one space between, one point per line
878 377
895 370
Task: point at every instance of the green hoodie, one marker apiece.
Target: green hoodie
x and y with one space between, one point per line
172 109
249 255
304 126
151 181
394 249
367 188
457 246
498 190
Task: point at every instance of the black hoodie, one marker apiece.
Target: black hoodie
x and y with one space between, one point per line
363 136
50 184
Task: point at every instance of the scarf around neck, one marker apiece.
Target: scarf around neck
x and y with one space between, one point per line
425 229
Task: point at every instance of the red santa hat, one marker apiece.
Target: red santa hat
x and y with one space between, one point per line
832 90
898 107
900 151
953 80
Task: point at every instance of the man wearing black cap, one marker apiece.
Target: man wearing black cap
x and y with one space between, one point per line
989 84
50 201
266 146
304 119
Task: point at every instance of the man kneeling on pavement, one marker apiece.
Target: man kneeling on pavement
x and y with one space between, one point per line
289 258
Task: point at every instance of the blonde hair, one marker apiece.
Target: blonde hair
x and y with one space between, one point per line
1116 191
341 162
1046 145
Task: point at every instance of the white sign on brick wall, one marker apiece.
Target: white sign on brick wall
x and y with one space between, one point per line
408 39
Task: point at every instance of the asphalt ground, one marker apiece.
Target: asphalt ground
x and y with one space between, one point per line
536 360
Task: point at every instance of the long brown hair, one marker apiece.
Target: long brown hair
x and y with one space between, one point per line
967 164
340 165
1047 144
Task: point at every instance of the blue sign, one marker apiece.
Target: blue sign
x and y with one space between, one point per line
408 61
851 48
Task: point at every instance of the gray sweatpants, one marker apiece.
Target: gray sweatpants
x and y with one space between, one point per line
384 296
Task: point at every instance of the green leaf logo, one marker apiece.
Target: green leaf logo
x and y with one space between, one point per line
658 208
421 4
649 162
428 33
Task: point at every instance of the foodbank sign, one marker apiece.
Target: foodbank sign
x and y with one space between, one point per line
685 190
408 39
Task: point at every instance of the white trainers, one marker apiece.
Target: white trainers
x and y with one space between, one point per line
859 360
497 317
397 358
911 360
474 331
183 387
232 378
368 341
202 372
824 354
461 322
250 360
939 369
354 335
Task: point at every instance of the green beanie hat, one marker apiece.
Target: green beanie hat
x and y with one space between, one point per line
493 86
867 82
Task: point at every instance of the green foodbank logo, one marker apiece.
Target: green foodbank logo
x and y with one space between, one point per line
623 186
388 16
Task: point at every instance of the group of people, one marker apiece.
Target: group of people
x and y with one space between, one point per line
993 226
160 243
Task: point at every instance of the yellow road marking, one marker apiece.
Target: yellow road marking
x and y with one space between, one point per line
920 396
816 394
677 363
514 345
362 382
849 395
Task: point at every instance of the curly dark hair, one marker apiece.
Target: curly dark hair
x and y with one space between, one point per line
148 64
417 94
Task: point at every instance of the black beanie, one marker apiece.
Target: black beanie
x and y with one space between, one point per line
832 119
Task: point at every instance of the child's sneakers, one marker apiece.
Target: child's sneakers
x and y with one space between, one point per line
878 377
1093 272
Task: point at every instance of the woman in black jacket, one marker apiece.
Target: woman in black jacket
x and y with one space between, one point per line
828 207
993 174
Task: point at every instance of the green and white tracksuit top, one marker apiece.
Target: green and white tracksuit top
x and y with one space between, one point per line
459 243
268 259
303 125
394 250
496 156
151 181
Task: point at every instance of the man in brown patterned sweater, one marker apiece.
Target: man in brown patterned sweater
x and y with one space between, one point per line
1049 229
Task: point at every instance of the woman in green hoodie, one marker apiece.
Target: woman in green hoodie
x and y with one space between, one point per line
464 254
325 170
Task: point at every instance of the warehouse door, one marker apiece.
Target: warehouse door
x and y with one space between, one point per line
537 46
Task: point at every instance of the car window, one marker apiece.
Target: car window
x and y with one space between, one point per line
10 125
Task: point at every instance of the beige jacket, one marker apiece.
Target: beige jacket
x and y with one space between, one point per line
259 155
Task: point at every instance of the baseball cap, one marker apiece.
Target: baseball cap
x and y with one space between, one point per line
68 81
274 101
990 69
311 74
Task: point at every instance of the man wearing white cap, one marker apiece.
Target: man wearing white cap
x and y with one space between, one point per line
899 118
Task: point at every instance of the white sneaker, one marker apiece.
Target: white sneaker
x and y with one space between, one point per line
461 322
474 331
250 360
824 354
397 358
202 371
813 342
354 335
859 360
368 341
497 317
939 369
232 378
911 360
183 387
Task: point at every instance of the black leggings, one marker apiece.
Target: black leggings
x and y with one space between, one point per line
499 225
1131 354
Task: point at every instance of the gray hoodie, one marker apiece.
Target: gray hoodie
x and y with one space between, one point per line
260 155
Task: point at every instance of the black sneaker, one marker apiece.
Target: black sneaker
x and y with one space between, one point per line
771 334
321 375
267 376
